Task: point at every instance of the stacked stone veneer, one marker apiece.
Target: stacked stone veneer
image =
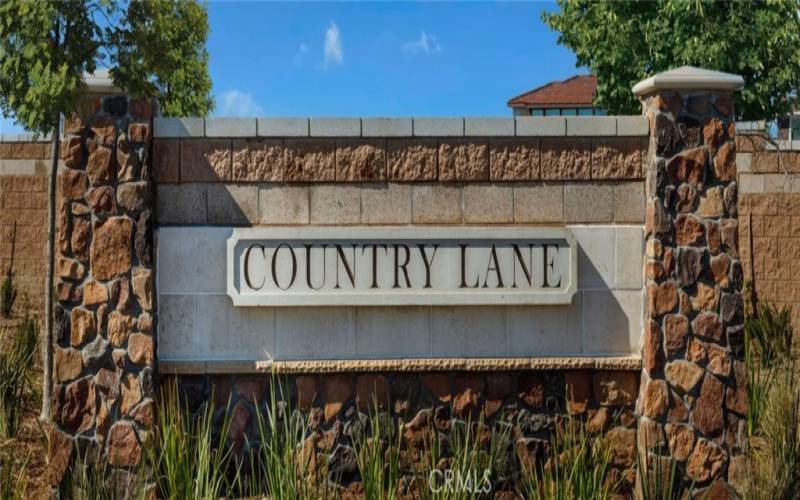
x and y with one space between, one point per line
24 163
693 397
105 345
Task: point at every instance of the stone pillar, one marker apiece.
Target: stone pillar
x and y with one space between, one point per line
693 397
104 350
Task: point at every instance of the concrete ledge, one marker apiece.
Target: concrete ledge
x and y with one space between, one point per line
545 126
24 138
488 127
181 367
632 125
387 127
438 127
230 127
335 127
282 127
179 127
592 126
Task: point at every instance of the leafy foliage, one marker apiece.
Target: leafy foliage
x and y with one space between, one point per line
16 360
625 42
154 49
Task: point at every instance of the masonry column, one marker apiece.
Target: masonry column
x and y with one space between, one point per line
693 398
104 332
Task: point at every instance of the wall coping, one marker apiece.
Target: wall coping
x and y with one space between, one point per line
181 367
689 78
521 126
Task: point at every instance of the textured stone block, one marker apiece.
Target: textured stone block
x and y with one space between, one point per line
588 202
514 159
177 327
178 127
412 159
282 127
387 127
386 204
468 331
464 160
434 203
111 248
335 204
545 330
283 204
360 160
487 203
317 333
166 160
393 332
192 259
206 161
596 252
751 183
629 202
488 127
258 161
335 127
181 203
566 159
310 160
612 321
591 125
538 203
542 126
438 127
629 254
230 127
231 204
618 158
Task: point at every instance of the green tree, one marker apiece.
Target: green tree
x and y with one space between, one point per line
153 48
625 42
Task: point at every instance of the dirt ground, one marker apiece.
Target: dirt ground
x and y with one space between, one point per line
28 450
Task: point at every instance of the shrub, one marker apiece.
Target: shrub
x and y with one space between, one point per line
7 295
16 361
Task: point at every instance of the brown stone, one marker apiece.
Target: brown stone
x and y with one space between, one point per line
103 130
706 461
696 352
144 414
360 160
578 390
72 152
252 388
566 159
66 364
621 443
676 329
654 270
689 166
63 228
412 159
139 132
656 221
107 382
120 327
729 229
713 133
111 248
104 420
662 298
706 298
205 161
134 196
94 293
736 399
78 408
68 292
598 420
498 387
655 399
166 160
690 265
530 389
713 237
102 200
143 239
463 160
678 411
131 393
513 159
145 323
337 390
258 161
683 374
240 419
121 294
650 435
708 325
439 385
719 360
70 269
681 440
720 265
127 160
141 349
307 389
686 199
74 184
99 167
124 449
617 158
654 248
719 490
310 160
143 287
652 353
725 162
467 392
59 456
82 327
688 230
78 209
81 238
711 205
372 393
707 416
615 388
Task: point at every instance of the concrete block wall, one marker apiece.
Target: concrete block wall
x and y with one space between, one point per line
215 174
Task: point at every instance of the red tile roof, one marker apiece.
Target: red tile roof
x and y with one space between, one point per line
576 91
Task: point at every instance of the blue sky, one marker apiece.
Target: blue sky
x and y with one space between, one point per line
378 59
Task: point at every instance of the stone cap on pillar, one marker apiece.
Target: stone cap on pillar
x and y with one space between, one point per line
689 78
100 82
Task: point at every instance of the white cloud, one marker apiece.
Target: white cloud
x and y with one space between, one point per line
302 50
425 44
333 47
238 103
